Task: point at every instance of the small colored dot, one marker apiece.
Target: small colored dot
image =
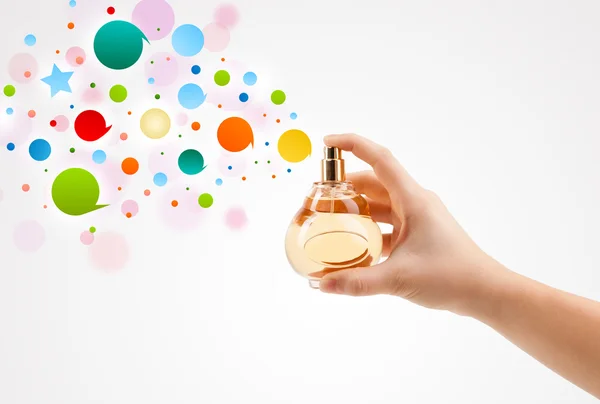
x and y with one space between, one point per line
9 111
293 115
268 161
79 60
158 29
244 97
119 189
45 206
152 62
180 135
93 85
196 126
128 215
196 69
9 90
157 96
128 112
30 40
53 123
289 170
31 113
72 150
256 162
278 121
222 59
230 168
70 25
72 3
187 188
92 229
174 204
71 106
110 10
151 80
45 170
243 178
265 115
162 153
220 106
274 176
219 182
57 52
123 136
25 188
10 146
27 74
147 192
266 143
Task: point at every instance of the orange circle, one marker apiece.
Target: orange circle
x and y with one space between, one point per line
265 115
128 112
168 59
79 60
57 51
220 106
222 59
128 215
45 206
243 178
147 192
123 136
118 189
274 176
279 120
27 74
70 25
31 113
235 134
174 204
25 188
196 126
130 166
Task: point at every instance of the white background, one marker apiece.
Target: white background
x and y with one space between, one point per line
492 104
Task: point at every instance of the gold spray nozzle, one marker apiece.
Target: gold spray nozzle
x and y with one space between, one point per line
332 165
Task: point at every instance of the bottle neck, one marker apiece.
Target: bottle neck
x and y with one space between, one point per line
332 166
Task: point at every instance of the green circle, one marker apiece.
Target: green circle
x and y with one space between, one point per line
93 85
278 97
92 229
9 90
118 93
157 96
222 78
72 150
205 200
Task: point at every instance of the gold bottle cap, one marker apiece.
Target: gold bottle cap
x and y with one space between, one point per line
332 165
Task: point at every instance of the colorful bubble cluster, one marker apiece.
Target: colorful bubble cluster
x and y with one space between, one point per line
76 152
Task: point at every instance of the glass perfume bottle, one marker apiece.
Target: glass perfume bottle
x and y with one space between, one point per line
333 230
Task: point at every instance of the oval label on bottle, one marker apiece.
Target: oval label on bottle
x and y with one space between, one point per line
337 249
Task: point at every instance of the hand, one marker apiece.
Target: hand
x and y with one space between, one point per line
432 261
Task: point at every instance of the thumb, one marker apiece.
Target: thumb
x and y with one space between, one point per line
364 281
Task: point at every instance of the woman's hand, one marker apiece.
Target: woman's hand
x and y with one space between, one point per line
432 261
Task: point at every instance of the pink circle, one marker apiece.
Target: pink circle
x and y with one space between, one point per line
23 68
237 162
15 128
62 123
109 252
92 96
29 236
163 68
131 207
75 56
123 136
154 17
147 192
187 215
216 37
86 238
227 15
182 119
31 113
25 187
235 218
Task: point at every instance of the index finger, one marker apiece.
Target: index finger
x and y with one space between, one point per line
389 170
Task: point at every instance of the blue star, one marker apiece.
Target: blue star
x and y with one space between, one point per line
58 81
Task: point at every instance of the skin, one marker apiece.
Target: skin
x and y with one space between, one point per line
434 263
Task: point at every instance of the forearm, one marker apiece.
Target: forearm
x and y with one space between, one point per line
560 330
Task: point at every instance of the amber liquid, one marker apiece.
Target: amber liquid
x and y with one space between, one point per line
331 233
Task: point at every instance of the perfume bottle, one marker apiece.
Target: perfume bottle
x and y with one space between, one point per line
333 230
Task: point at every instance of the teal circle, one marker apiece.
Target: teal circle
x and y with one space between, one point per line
191 162
118 45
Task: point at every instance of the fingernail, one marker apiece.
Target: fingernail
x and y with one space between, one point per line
328 285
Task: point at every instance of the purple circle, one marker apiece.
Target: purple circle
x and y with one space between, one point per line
155 18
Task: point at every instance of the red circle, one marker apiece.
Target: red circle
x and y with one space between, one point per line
53 123
110 10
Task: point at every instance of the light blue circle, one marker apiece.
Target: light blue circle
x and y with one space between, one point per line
160 179
9 111
293 115
219 182
99 157
151 80
39 150
10 146
244 97
250 78
72 3
30 40
187 40
191 96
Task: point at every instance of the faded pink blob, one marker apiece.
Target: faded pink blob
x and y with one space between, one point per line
187 215
216 37
29 236
227 15
86 238
62 123
131 207
182 119
109 252
154 17
23 68
75 56
163 68
15 128
235 218
92 96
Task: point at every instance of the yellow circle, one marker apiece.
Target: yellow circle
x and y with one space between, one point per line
294 146
155 123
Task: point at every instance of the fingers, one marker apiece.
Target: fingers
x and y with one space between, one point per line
387 245
380 212
366 281
367 183
389 171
